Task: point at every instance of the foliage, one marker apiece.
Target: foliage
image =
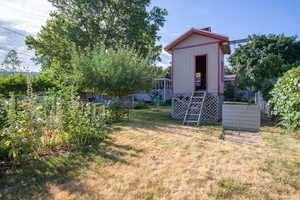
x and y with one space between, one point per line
140 105
276 52
17 84
3 113
116 111
11 62
53 48
36 127
228 70
167 72
116 72
286 99
266 74
83 25
229 92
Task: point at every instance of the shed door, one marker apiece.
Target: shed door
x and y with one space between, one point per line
200 72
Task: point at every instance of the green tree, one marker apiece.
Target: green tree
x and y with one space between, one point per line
116 72
53 48
286 99
82 24
265 57
11 62
167 72
228 70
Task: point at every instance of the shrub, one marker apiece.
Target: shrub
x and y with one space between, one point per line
116 111
3 114
286 99
35 127
82 122
140 105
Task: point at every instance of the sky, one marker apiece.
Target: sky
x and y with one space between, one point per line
234 18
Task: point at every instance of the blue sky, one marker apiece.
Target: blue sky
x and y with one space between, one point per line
234 18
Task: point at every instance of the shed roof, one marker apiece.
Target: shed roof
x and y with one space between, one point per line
187 34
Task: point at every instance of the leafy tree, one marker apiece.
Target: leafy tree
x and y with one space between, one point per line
11 62
116 72
267 72
167 72
228 70
82 24
250 61
286 99
53 48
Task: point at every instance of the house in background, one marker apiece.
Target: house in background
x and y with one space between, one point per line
198 65
230 79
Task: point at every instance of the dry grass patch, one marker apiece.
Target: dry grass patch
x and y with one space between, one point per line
155 157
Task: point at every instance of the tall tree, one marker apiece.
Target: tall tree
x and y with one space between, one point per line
86 23
265 57
11 62
53 47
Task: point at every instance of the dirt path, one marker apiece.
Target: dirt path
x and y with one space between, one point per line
158 158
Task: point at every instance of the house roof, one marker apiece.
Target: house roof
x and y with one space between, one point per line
187 34
229 77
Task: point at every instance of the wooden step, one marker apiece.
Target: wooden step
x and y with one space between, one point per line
198 97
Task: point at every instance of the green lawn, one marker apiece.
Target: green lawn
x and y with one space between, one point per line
155 157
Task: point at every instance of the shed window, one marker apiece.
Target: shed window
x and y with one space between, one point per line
200 72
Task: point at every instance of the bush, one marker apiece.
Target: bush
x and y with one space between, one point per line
3 114
36 127
140 105
286 99
116 111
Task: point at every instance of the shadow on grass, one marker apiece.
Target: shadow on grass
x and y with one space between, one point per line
161 120
34 177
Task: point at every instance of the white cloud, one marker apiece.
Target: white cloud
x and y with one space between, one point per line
25 17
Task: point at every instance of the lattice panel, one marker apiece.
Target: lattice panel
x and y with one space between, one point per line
179 106
212 108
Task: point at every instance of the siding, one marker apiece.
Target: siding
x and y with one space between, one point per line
184 66
241 117
195 39
221 72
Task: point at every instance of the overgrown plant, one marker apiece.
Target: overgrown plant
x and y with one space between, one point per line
116 72
286 99
37 127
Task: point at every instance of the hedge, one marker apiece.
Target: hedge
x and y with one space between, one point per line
17 84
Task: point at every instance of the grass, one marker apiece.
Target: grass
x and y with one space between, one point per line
229 187
153 156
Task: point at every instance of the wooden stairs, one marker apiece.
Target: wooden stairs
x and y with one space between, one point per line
194 110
